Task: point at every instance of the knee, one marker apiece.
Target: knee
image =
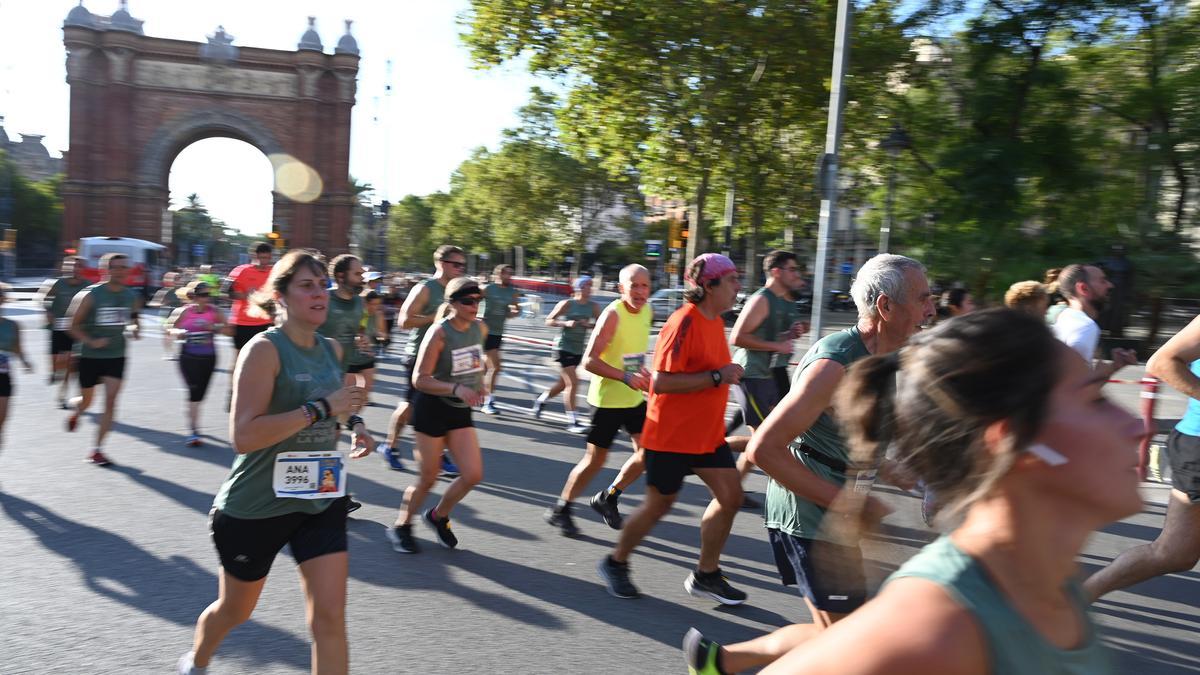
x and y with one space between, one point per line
731 498
595 456
327 622
234 613
472 476
426 479
1181 559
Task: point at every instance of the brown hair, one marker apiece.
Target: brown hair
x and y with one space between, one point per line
107 258
500 268
1069 277
457 288
777 258
263 300
1025 296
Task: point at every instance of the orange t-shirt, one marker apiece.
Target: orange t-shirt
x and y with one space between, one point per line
693 423
246 279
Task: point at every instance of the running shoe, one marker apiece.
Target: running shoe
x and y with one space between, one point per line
442 526
72 421
98 459
352 505
561 518
713 585
193 441
391 456
750 503
616 577
62 403
449 468
489 408
607 508
701 654
402 539
537 407
186 666
577 428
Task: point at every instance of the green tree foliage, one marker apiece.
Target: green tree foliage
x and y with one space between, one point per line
410 242
36 214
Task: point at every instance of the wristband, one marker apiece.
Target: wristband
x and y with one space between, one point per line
454 390
325 404
309 415
625 379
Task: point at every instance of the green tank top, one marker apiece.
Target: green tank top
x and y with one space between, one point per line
305 374
571 340
781 314
8 342
434 293
110 313
626 351
61 295
461 360
496 300
342 324
1014 646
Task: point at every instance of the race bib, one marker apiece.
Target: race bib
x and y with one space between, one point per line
466 360
199 337
112 316
309 475
62 323
864 480
633 362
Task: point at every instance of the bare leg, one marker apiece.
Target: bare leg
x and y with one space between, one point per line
428 451
584 472
324 582
235 603
112 389
640 522
396 424
571 385
726 486
464 449
633 468
765 650
1177 549
560 385
493 369
368 382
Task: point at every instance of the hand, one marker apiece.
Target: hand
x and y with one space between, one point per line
469 396
731 374
136 332
1124 357
570 323
360 341
782 347
346 400
362 442
798 329
639 380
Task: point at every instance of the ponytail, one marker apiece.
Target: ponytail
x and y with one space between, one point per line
443 312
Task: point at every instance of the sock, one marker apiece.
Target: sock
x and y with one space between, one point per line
433 513
613 493
572 417
487 400
562 505
543 397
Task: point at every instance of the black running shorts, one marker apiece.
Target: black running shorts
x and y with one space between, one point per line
606 422
567 359
6 387
432 416
359 367
492 341
832 583
91 370
61 341
247 547
1183 451
242 334
666 470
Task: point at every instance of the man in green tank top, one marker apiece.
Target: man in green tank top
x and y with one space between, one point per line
418 313
616 359
55 295
574 316
501 301
343 321
99 317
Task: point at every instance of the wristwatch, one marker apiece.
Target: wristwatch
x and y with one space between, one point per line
716 377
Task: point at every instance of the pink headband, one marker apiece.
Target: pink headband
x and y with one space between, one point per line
709 266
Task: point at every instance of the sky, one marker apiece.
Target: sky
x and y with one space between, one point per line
409 143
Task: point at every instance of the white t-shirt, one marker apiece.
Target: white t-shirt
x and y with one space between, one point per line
1078 331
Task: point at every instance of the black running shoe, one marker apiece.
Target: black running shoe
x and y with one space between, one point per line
442 526
607 508
402 539
561 518
713 585
616 578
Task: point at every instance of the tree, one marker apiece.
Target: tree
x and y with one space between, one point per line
410 245
36 214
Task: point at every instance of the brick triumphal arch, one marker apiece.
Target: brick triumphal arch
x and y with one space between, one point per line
137 101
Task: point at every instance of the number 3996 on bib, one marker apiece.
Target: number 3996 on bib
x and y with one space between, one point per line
309 475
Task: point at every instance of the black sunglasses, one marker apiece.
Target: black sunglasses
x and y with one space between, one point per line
469 301
456 263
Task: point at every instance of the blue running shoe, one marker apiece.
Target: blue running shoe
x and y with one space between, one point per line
391 456
449 468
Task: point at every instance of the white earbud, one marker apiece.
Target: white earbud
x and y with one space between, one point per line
1047 454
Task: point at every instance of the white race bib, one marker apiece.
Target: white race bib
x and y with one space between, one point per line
62 324
466 360
309 475
198 337
112 316
864 480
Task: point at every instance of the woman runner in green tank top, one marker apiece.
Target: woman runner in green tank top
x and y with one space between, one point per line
10 346
1011 429
448 376
288 481
575 316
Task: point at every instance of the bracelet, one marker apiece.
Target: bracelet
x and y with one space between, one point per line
309 414
325 404
317 413
353 421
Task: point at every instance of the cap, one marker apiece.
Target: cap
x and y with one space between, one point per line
469 289
708 266
581 282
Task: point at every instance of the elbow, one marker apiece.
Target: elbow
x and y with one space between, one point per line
589 364
1156 366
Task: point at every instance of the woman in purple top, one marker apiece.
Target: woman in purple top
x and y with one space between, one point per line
194 325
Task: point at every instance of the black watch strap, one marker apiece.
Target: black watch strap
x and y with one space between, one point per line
716 377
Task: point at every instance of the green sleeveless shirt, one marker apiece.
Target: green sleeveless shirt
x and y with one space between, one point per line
496 300
1014 646
8 342
342 323
305 374
110 313
61 295
571 340
626 351
781 314
461 360
434 293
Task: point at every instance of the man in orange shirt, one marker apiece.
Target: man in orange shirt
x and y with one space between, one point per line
684 431
241 283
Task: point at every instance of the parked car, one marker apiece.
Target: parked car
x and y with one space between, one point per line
664 301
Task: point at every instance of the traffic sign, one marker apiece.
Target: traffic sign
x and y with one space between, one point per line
654 248
846 268
197 250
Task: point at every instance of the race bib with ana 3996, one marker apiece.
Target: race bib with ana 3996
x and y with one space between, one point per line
466 360
309 475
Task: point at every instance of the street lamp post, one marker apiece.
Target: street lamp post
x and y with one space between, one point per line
896 141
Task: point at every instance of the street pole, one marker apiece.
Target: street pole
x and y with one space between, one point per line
827 178
885 232
727 247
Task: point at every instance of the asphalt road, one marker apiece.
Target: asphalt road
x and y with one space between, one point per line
105 570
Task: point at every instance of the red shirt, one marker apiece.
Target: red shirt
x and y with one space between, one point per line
245 280
693 423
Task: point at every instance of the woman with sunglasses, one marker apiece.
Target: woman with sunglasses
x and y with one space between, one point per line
448 377
194 324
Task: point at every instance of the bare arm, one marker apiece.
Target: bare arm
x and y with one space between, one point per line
1172 362
748 321
44 293
599 341
250 427
552 318
514 307
431 349
80 305
684 383
408 317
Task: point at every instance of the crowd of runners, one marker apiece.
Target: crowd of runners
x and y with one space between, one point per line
997 417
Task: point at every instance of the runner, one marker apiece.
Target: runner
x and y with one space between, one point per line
1177 548
955 302
165 301
501 301
801 448
448 376
241 283
99 317
574 316
417 314
372 329
1029 297
616 356
10 346
343 321
56 296
762 338
685 431
1013 430
1086 290
195 324
287 392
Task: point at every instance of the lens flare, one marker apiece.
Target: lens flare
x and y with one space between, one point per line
294 179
